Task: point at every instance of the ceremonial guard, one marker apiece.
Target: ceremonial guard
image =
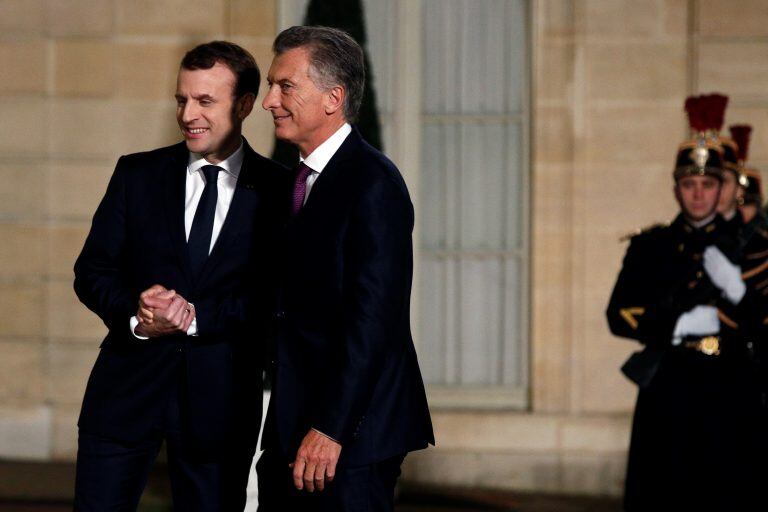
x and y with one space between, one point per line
751 204
754 240
711 109
681 295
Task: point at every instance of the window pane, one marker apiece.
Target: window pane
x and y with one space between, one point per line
474 56
483 183
481 302
433 342
433 200
514 354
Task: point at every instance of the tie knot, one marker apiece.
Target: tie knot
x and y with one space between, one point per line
211 173
302 173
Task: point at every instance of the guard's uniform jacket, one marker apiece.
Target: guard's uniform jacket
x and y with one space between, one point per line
754 268
696 424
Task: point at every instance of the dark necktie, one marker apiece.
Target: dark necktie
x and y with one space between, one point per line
199 242
300 187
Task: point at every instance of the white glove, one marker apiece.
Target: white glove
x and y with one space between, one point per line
700 321
724 274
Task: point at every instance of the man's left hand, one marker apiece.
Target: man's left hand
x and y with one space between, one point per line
315 463
724 274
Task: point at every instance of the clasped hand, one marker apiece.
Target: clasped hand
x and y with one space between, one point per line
163 312
315 463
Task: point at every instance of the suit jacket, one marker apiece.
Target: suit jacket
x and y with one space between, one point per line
137 239
345 363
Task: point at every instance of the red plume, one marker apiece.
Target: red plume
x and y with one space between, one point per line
693 107
740 134
715 108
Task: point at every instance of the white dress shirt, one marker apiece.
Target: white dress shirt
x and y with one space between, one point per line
227 181
319 158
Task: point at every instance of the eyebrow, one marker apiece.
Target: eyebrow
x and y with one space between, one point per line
280 81
204 96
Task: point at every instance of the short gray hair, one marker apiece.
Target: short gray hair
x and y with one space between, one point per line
334 59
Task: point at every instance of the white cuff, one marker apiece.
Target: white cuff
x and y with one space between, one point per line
134 323
192 330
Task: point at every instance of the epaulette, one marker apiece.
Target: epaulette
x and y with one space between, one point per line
642 231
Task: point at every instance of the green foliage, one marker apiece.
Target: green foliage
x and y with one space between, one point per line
346 15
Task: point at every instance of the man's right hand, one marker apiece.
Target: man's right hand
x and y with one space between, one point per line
163 312
699 321
145 314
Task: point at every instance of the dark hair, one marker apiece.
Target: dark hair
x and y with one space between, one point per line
235 57
334 59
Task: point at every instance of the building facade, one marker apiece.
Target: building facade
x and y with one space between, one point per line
566 115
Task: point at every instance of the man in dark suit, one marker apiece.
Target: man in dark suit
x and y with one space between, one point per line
348 400
175 265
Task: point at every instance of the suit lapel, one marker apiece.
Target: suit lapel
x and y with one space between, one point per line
242 208
323 188
175 192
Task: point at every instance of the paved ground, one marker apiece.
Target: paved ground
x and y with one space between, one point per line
35 487
522 504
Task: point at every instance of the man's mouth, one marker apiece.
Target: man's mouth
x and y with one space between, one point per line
195 131
280 118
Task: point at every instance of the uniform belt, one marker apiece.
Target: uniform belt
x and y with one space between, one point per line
707 345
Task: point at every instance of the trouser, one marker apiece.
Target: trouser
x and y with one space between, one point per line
111 475
368 488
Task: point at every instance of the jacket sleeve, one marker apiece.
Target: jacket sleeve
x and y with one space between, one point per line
641 308
751 314
100 268
377 284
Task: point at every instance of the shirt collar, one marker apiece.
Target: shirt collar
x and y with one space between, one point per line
231 165
319 158
703 222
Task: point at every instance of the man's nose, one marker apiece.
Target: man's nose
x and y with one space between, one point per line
270 99
189 112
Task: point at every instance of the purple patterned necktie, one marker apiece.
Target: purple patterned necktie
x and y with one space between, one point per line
300 187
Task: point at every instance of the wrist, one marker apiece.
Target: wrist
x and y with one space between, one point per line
326 436
137 329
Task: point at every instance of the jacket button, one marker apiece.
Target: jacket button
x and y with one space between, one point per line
280 314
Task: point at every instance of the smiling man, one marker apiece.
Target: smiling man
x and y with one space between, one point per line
176 267
348 401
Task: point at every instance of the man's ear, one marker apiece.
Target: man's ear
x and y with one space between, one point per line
334 99
244 105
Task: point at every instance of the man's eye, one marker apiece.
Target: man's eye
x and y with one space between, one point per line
181 103
285 87
205 103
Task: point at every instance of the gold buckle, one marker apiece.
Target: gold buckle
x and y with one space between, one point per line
708 345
